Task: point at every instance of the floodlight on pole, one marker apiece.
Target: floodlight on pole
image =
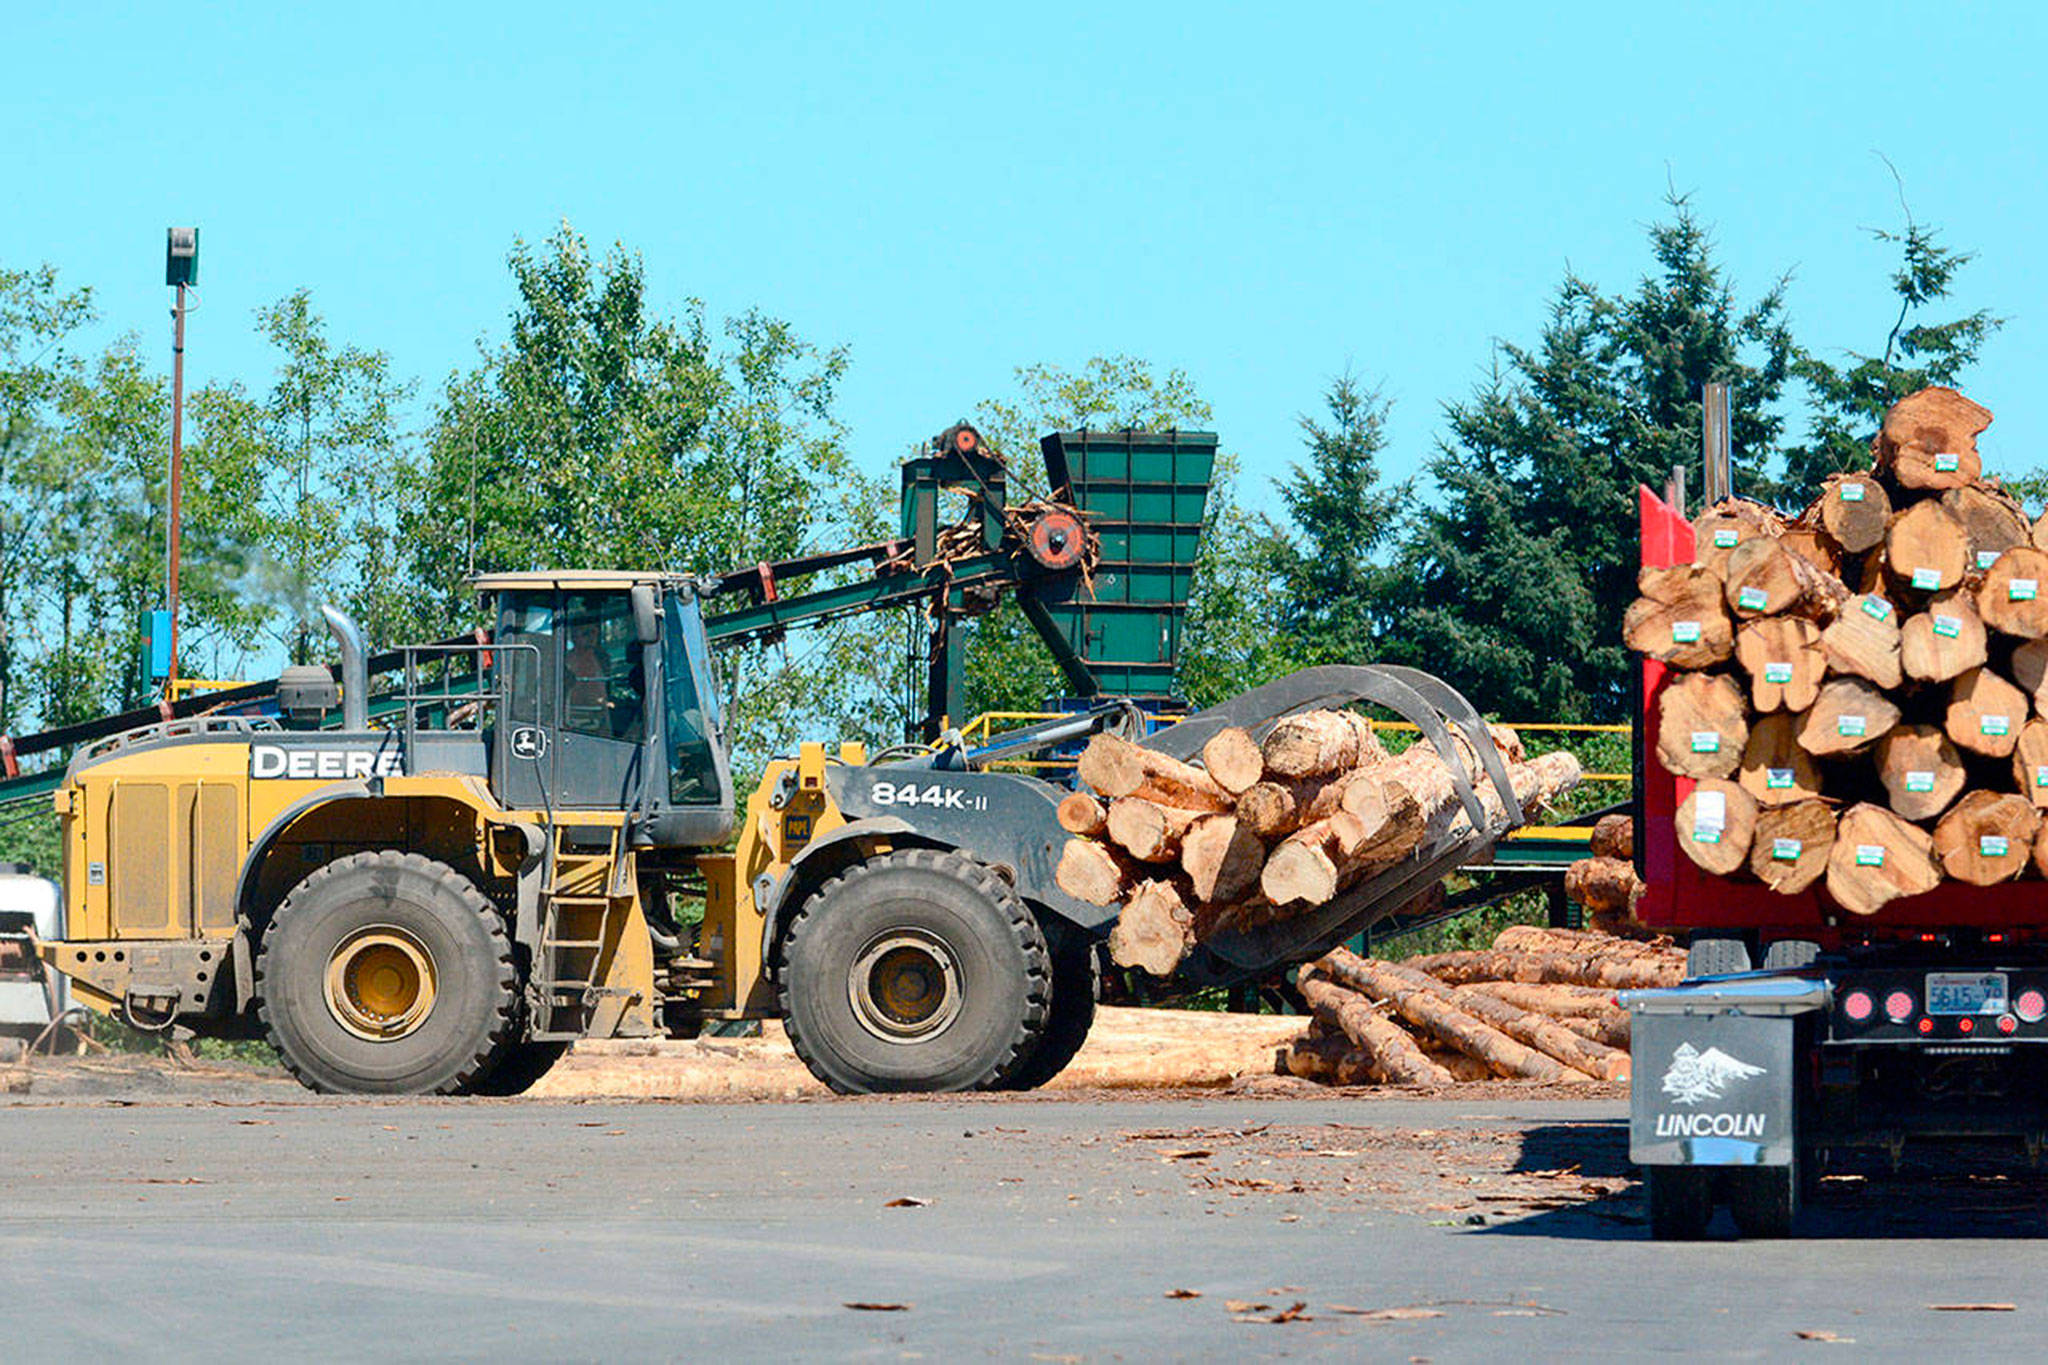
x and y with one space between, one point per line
181 268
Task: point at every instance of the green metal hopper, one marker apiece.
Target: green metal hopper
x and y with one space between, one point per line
1143 493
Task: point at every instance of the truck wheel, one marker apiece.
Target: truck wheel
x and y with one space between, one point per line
1790 954
385 973
1681 1201
917 970
518 1068
1076 986
1716 955
1764 1199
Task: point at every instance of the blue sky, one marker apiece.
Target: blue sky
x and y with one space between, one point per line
1260 196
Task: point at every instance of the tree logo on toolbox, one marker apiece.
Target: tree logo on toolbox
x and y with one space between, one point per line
1695 1077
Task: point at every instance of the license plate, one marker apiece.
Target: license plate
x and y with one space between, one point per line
1966 993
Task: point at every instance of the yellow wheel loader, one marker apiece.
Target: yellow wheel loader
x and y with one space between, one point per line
437 887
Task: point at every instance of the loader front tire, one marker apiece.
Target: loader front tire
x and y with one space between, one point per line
917 970
1076 986
385 973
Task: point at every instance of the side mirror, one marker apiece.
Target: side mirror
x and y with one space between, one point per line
646 614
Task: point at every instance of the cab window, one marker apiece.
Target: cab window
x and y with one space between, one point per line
603 686
526 626
691 708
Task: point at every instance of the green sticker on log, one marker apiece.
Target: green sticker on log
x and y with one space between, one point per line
1986 558
1685 632
1947 464
1777 673
1991 846
1870 855
1852 726
1786 850
1852 492
1706 741
1704 834
1994 725
2041 775
1725 539
1752 599
2022 589
1877 608
1919 782
1926 579
1948 626
1778 779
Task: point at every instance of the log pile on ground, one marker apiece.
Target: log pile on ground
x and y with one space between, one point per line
1539 1005
1269 829
1859 692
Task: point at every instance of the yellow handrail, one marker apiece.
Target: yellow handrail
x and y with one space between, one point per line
184 686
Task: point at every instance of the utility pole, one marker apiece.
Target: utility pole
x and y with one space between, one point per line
181 268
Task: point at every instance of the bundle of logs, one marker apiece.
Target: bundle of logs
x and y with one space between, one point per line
1539 1006
1859 693
1265 830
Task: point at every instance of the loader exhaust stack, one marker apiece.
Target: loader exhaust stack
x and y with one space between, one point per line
355 673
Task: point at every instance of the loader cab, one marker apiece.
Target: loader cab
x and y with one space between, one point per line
608 702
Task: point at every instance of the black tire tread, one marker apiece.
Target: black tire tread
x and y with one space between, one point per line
1716 955
1075 987
1790 954
1681 1200
463 888
981 878
1764 1200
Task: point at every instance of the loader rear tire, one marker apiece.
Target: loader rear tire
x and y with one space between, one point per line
1076 986
385 973
917 970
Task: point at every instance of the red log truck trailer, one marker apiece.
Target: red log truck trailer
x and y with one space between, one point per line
1803 1029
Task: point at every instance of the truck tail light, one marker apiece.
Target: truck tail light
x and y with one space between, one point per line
1898 1006
1858 1006
2031 1006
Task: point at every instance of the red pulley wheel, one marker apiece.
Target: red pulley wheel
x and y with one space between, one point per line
1057 540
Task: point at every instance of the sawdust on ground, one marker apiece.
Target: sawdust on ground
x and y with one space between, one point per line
1127 1049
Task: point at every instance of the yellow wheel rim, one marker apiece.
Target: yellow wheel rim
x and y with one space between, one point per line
380 983
905 985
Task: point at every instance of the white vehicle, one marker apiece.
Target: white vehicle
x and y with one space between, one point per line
30 997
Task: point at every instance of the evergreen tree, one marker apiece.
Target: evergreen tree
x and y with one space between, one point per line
1512 585
1333 584
1849 399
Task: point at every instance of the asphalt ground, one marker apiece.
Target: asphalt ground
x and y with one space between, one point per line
229 1216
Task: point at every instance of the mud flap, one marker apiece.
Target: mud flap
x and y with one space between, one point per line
1716 1079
